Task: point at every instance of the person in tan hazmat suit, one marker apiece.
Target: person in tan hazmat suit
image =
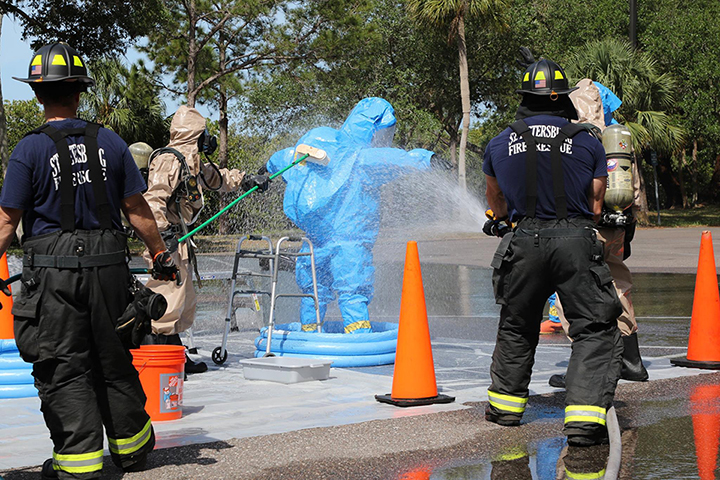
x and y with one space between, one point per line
177 176
594 104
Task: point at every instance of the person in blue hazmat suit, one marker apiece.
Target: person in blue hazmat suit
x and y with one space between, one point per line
337 205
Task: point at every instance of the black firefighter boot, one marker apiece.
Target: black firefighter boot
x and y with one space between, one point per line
632 366
159 339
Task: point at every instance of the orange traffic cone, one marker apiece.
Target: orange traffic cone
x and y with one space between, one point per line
706 428
414 375
421 473
6 317
704 341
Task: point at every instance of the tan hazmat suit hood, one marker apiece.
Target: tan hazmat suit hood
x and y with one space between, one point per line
588 103
165 172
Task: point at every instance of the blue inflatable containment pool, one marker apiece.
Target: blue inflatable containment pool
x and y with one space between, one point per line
345 350
16 380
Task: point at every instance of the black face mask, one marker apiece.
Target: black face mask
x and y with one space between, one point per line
207 143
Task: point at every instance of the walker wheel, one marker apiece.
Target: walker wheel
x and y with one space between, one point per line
217 358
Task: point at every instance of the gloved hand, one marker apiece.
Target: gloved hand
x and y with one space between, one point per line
250 181
492 228
170 239
437 163
134 323
527 58
495 227
164 267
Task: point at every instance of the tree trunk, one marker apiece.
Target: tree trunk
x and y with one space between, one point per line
3 125
224 224
465 97
453 149
681 179
694 174
192 54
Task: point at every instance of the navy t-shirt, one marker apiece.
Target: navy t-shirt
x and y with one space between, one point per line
583 159
32 182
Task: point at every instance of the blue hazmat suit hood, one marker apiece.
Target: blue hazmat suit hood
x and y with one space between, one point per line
341 199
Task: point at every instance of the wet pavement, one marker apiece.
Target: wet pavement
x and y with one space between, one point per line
670 425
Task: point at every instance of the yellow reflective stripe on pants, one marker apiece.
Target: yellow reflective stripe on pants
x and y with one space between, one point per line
78 463
584 476
507 403
126 446
585 413
310 327
357 325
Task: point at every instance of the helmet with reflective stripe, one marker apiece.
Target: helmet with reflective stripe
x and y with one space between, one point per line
545 77
57 62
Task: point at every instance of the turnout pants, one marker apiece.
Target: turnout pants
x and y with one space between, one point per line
65 322
613 240
539 258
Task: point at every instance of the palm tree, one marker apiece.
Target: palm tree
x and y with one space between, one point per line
646 94
125 101
452 14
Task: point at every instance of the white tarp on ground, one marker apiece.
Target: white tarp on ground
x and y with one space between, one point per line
221 404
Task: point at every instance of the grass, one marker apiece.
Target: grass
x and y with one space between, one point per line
702 216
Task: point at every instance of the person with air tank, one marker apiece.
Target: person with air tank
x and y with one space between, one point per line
177 178
548 177
595 103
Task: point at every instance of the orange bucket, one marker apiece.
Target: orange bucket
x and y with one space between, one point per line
162 370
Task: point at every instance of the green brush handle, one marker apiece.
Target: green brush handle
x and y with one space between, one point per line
232 204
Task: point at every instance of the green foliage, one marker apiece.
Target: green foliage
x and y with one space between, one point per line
93 27
635 78
386 53
22 117
684 37
126 101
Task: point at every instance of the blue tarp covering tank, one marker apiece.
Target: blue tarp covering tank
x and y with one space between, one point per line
337 205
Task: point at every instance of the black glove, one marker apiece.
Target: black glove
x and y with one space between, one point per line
250 181
170 239
527 58
262 170
134 323
437 163
164 267
495 228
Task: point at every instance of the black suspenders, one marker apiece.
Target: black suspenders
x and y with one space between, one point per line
568 131
67 191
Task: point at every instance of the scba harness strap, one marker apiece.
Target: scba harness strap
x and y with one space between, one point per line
67 199
67 189
531 185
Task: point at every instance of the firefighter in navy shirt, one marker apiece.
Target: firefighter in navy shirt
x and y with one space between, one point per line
549 176
67 181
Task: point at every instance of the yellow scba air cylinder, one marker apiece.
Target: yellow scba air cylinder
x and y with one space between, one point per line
618 150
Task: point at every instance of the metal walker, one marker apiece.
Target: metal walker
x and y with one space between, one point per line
219 355
274 295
